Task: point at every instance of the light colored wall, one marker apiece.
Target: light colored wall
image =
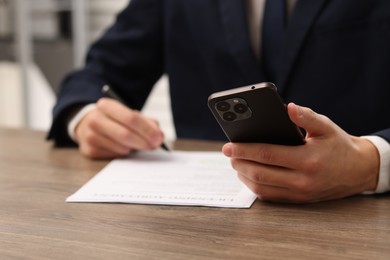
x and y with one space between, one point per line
5 24
41 98
102 14
12 102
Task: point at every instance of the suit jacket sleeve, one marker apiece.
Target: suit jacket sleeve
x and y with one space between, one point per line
128 57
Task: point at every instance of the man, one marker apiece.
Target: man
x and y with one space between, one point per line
332 58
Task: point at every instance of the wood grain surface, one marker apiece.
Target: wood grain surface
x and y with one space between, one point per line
37 223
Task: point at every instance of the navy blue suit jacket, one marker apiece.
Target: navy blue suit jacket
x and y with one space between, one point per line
335 60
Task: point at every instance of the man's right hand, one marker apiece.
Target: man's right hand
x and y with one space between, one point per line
113 130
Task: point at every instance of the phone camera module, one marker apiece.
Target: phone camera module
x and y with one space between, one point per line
240 108
229 116
233 109
223 106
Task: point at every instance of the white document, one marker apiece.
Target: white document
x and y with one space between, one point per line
170 178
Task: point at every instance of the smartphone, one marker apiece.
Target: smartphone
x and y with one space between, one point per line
254 114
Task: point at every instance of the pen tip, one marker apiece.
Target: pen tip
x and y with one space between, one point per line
165 147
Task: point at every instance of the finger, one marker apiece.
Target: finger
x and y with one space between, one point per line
131 119
98 153
265 192
260 174
269 154
94 142
315 124
119 134
272 193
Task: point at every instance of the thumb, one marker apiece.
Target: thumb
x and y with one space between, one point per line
314 124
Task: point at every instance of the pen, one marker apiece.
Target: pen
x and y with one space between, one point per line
109 92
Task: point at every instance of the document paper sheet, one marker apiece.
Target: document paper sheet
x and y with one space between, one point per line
169 178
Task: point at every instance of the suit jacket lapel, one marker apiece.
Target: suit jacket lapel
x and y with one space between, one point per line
300 22
233 14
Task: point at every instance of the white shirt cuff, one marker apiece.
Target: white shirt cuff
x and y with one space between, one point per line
76 120
384 169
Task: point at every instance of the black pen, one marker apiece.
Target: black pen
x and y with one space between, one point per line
109 92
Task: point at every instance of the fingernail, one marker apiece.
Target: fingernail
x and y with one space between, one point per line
227 150
300 111
156 139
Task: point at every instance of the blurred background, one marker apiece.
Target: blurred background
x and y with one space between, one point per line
40 42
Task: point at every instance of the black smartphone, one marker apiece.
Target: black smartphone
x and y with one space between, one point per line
254 114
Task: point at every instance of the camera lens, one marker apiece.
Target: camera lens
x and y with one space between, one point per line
223 106
229 116
240 108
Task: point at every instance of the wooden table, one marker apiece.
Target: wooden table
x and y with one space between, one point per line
36 223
